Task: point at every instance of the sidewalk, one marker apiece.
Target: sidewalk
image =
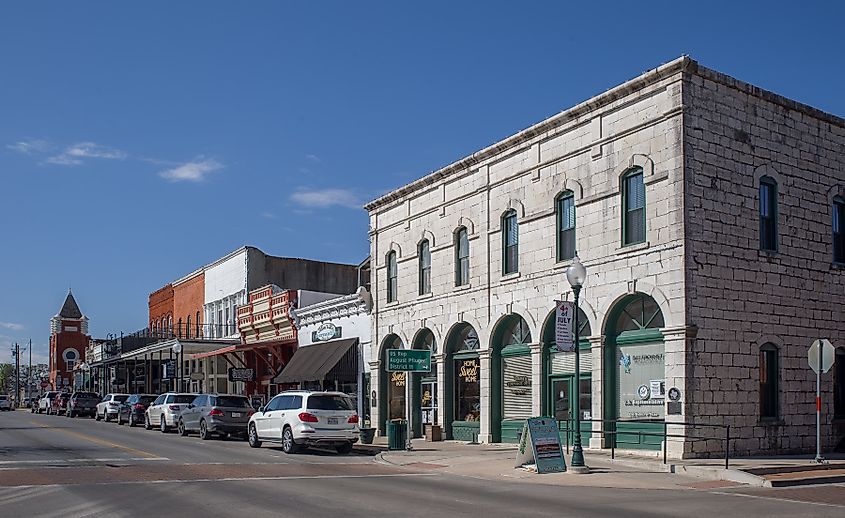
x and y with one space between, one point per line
628 470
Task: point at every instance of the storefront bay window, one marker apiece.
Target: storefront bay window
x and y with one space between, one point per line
464 375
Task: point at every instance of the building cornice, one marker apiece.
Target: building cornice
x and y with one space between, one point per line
347 305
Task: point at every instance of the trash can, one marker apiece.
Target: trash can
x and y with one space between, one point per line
367 435
397 433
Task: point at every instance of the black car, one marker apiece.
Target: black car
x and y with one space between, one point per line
132 410
82 403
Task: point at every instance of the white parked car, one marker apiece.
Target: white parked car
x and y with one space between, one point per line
46 401
164 411
107 408
297 419
5 402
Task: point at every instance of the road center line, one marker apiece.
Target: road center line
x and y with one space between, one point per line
95 440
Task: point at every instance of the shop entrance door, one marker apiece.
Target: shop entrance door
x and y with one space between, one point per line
428 402
561 405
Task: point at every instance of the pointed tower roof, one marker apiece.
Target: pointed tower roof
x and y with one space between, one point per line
70 309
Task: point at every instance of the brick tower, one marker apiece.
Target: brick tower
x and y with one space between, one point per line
68 339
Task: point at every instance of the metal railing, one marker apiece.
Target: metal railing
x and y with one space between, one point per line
613 431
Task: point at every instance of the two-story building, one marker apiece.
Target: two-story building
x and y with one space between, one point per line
708 213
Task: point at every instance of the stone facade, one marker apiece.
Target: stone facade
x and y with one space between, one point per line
700 139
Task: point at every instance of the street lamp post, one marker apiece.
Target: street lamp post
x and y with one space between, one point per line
177 350
576 274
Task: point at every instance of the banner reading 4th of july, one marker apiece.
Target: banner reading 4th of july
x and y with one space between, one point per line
564 314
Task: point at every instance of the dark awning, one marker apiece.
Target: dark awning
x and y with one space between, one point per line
316 362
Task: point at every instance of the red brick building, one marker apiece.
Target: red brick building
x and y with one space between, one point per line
68 340
161 310
188 298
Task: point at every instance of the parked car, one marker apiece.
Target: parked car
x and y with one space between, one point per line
46 401
5 402
82 403
107 407
132 410
164 411
211 414
58 405
297 419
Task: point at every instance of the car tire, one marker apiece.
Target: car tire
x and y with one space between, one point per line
119 419
162 424
345 448
289 446
181 428
252 437
147 424
204 433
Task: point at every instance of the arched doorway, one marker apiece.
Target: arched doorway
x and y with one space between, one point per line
424 386
391 386
462 407
511 385
635 370
559 385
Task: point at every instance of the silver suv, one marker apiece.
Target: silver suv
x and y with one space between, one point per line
165 410
299 418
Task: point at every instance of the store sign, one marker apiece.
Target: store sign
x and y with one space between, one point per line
241 374
168 370
325 332
468 370
564 314
539 447
397 379
414 360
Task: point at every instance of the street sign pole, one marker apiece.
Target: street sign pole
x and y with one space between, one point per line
819 458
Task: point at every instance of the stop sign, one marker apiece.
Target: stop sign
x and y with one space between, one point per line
827 355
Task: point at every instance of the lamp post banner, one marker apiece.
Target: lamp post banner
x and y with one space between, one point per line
564 314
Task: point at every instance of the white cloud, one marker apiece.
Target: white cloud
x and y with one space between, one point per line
313 158
74 154
30 147
194 171
315 198
11 325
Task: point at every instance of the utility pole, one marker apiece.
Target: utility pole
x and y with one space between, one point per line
29 375
17 353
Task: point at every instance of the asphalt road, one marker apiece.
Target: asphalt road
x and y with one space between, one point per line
55 466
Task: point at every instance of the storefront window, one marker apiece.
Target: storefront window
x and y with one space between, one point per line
396 395
467 389
640 381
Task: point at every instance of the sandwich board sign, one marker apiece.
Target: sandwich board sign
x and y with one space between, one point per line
539 447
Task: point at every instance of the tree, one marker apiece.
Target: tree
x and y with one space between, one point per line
7 378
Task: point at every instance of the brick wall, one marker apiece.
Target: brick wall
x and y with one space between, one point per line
740 297
160 305
188 298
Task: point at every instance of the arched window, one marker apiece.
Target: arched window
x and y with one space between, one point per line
424 253
170 325
633 207
839 384
838 230
461 257
768 214
179 328
565 208
516 331
392 281
70 356
199 331
188 327
641 312
510 242
769 369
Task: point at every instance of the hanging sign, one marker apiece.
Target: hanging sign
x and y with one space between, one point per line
539 447
236 374
416 360
564 314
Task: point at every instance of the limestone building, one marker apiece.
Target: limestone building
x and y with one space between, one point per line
708 213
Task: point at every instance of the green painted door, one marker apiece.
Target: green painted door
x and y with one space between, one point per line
561 403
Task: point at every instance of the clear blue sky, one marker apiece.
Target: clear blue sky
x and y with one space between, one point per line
138 142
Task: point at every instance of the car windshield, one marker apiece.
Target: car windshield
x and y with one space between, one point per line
184 398
121 399
234 401
146 399
329 403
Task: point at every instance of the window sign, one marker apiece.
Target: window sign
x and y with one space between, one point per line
640 380
467 390
396 389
